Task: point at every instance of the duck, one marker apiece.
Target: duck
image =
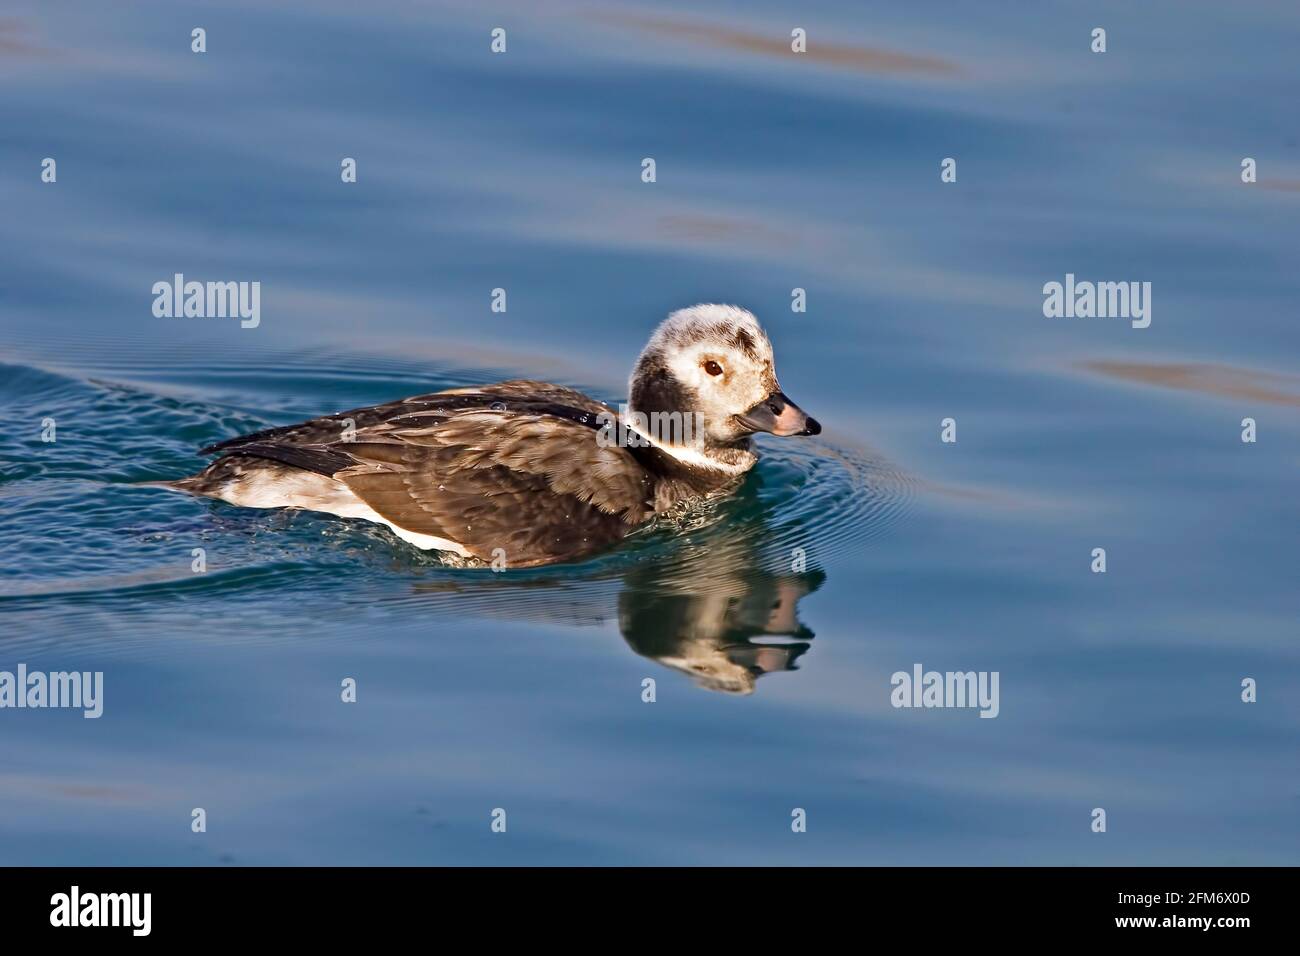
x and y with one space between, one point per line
526 473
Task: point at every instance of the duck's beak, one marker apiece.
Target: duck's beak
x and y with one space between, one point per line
780 416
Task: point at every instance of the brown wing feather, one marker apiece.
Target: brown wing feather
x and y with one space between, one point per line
330 428
515 466
538 488
487 508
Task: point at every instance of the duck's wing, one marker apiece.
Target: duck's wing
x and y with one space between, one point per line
521 394
517 467
535 487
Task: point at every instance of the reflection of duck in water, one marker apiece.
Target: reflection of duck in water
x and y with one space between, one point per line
709 633
723 605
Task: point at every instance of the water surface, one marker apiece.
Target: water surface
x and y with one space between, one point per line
524 690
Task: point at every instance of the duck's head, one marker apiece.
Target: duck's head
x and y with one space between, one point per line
714 363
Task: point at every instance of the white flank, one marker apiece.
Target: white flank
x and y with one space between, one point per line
313 492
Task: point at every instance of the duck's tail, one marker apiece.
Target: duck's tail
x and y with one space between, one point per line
180 484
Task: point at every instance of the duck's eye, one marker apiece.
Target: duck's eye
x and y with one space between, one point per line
712 367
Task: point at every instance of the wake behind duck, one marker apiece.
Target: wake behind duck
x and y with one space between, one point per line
525 472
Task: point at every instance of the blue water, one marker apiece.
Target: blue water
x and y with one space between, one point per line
523 691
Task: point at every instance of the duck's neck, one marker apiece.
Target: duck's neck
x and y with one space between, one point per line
717 463
688 472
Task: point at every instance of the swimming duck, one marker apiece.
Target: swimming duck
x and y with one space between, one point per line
526 473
